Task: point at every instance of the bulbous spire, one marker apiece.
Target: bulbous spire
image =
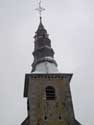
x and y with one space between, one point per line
42 47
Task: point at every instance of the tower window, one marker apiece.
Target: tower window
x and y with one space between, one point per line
50 93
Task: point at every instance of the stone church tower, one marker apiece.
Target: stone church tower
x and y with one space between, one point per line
47 90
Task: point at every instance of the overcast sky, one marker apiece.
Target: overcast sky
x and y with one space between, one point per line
70 25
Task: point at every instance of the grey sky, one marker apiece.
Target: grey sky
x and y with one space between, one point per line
70 24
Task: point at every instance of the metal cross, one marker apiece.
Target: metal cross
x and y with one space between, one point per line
40 8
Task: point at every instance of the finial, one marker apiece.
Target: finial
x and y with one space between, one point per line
40 19
40 9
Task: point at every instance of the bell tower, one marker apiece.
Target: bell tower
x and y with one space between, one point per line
47 90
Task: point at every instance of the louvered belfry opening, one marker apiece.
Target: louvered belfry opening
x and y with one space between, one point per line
50 93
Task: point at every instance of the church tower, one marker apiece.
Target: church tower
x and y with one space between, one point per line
47 90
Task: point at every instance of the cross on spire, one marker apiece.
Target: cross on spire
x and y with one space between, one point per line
40 8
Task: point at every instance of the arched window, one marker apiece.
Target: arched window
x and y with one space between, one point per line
50 93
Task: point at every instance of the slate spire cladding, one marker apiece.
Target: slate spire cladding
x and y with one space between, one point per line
42 48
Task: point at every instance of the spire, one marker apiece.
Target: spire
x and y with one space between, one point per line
42 47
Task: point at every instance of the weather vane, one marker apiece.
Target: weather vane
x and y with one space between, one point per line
40 8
